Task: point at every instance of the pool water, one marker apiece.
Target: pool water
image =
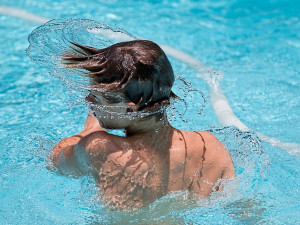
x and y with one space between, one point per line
256 47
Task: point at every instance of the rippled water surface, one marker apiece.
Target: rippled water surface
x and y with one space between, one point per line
255 44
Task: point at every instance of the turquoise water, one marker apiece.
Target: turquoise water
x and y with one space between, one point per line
255 45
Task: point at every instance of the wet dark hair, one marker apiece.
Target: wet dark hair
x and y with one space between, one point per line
138 69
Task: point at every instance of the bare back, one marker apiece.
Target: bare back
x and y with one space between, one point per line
132 172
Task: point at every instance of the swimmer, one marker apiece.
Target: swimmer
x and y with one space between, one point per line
130 88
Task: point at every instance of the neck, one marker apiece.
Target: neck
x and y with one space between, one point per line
151 126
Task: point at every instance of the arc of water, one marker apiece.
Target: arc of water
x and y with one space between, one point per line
218 99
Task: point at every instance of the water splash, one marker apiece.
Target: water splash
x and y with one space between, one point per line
49 42
189 105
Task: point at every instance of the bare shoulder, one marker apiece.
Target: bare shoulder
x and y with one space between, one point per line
214 149
216 155
100 144
97 142
206 146
209 157
209 138
202 142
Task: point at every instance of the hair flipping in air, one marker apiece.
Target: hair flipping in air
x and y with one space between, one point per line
139 69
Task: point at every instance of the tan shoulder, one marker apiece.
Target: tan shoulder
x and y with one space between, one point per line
211 142
96 142
215 153
216 163
208 137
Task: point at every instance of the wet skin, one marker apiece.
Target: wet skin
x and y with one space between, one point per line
152 160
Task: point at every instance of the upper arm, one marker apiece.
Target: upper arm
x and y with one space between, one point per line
216 164
72 160
69 156
75 159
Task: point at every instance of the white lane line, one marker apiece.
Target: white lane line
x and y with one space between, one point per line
22 14
218 99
